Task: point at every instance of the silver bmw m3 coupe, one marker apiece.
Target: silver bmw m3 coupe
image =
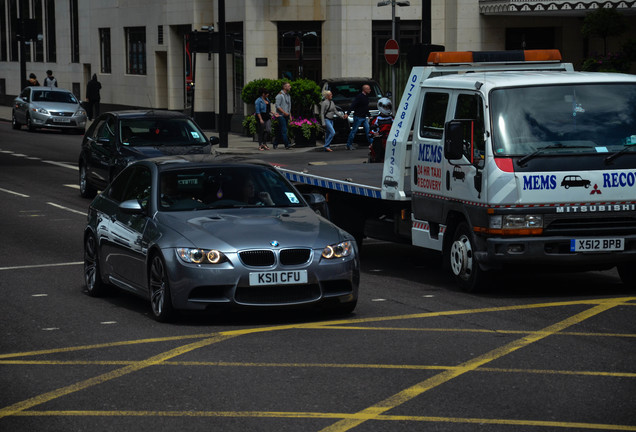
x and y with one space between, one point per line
190 232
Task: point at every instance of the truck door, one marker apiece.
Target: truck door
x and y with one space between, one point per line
463 178
427 156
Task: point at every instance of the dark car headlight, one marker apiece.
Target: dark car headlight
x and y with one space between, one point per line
340 250
201 256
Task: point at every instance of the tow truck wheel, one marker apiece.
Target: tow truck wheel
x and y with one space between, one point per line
463 265
627 273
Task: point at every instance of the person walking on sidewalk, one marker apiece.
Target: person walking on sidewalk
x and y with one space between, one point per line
92 95
283 109
328 112
33 80
263 118
50 80
360 108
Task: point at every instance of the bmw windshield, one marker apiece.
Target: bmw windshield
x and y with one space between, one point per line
564 119
220 187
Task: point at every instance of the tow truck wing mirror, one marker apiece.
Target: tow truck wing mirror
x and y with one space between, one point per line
459 139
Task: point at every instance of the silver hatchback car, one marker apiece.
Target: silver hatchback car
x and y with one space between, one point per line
48 107
193 232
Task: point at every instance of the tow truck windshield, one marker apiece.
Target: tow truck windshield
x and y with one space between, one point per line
586 118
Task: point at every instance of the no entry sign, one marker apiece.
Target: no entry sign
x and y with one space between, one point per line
391 51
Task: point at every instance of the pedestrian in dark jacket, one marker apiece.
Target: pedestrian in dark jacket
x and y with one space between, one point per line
50 80
92 95
33 80
360 108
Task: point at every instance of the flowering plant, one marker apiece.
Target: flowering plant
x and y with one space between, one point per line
307 126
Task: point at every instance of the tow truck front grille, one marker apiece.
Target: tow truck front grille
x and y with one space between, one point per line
591 226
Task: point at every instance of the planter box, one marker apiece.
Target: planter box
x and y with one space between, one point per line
301 141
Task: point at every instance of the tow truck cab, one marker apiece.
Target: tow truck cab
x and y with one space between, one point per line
517 162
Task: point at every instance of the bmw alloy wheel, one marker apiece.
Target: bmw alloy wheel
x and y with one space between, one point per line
160 300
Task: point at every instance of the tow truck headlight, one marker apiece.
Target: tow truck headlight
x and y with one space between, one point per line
515 224
339 250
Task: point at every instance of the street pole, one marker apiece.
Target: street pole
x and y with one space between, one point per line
393 3
393 95
222 77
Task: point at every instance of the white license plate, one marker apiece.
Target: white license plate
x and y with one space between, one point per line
278 278
62 120
597 245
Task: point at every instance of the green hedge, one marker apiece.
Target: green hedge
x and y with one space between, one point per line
305 93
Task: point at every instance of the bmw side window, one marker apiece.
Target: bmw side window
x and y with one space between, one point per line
117 188
139 186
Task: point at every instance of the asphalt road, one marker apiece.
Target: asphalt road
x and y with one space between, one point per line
538 352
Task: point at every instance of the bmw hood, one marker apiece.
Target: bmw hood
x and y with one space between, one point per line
253 228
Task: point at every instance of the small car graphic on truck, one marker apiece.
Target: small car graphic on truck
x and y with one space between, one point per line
574 181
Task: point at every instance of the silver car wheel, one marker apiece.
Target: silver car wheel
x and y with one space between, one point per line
160 300
29 124
14 122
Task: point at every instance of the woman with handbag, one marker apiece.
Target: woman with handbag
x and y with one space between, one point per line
263 118
328 112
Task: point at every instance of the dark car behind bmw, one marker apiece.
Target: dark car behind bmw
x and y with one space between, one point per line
116 139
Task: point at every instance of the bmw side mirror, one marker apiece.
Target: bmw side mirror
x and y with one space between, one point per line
131 207
318 204
104 142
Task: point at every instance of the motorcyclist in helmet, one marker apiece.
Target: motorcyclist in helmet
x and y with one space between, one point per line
380 128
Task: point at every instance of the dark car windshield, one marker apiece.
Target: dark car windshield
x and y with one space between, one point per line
224 187
53 96
557 119
148 131
347 91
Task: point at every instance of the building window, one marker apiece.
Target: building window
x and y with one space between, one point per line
3 31
39 42
51 49
135 50
104 49
160 35
13 28
74 32
310 64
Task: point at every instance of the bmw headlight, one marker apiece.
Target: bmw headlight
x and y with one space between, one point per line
200 256
340 250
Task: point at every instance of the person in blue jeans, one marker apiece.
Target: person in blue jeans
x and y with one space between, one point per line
283 109
328 112
360 108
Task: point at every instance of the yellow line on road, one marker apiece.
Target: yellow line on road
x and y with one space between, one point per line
313 365
410 393
324 325
46 397
332 416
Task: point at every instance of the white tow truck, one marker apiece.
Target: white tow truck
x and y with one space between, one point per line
499 159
